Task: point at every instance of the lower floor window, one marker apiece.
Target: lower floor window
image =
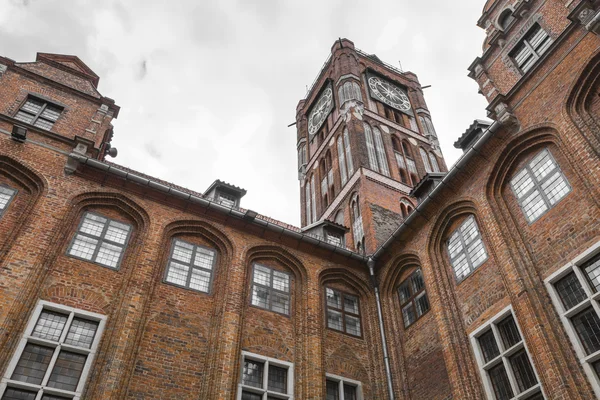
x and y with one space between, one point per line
339 388
265 378
54 354
575 292
503 360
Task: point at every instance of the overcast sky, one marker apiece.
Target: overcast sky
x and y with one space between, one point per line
208 88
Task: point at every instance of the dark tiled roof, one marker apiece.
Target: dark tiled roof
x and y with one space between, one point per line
477 127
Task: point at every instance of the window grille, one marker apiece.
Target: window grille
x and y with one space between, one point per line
425 158
342 160
6 196
503 360
466 249
413 298
343 312
39 113
100 240
191 266
539 185
54 355
271 289
265 378
535 43
348 153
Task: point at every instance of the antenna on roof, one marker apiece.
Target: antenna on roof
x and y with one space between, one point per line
400 63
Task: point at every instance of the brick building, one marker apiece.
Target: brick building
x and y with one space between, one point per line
407 280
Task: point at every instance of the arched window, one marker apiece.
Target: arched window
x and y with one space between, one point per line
427 125
342 160
506 18
376 150
307 202
350 90
301 154
405 207
413 298
411 166
425 158
357 225
399 154
466 249
434 164
339 217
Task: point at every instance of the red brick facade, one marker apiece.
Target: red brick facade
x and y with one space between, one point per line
159 340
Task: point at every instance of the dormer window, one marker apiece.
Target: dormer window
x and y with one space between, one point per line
39 113
226 199
530 49
225 194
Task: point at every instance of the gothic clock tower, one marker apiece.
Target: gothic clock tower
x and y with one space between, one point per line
365 142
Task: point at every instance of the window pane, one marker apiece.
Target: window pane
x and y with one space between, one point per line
500 383
18 394
67 371
280 303
523 371
81 333
281 281
592 269
33 363
509 332
488 345
477 253
537 396
50 325
422 303
83 247
24 117
32 106
262 275
352 325
522 183
260 296
277 379
351 304
587 326
334 320
408 315
177 273
5 196
93 225
44 124
404 291
204 258
109 255
417 282
541 165
117 232
555 188
570 291
333 390
182 251
334 299
596 367
253 373
51 397
534 206
349 392
51 113
200 280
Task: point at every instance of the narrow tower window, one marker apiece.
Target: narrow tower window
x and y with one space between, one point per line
342 160
348 153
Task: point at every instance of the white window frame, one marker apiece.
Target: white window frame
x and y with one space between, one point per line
264 390
11 197
341 380
503 356
27 338
565 315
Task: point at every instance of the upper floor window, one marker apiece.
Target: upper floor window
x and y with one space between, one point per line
427 126
339 388
413 298
434 163
265 378
376 150
504 361
466 249
531 47
343 313
191 266
100 239
302 156
357 225
406 207
55 354
425 158
350 90
575 293
39 113
271 289
539 185
6 196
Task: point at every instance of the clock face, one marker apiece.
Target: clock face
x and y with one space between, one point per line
320 111
389 93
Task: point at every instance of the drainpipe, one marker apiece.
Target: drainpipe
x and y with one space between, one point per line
386 357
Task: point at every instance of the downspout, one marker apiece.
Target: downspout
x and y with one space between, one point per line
386 357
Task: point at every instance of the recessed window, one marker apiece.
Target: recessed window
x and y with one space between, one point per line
466 249
539 186
39 113
334 238
350 90
191 266
427 125
265 378
358 232
54 355
529 50
503 360
271 289
376 150
506 19
343 313
226 199
425 158
339 388
413 298
100 239
574 291
6 196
